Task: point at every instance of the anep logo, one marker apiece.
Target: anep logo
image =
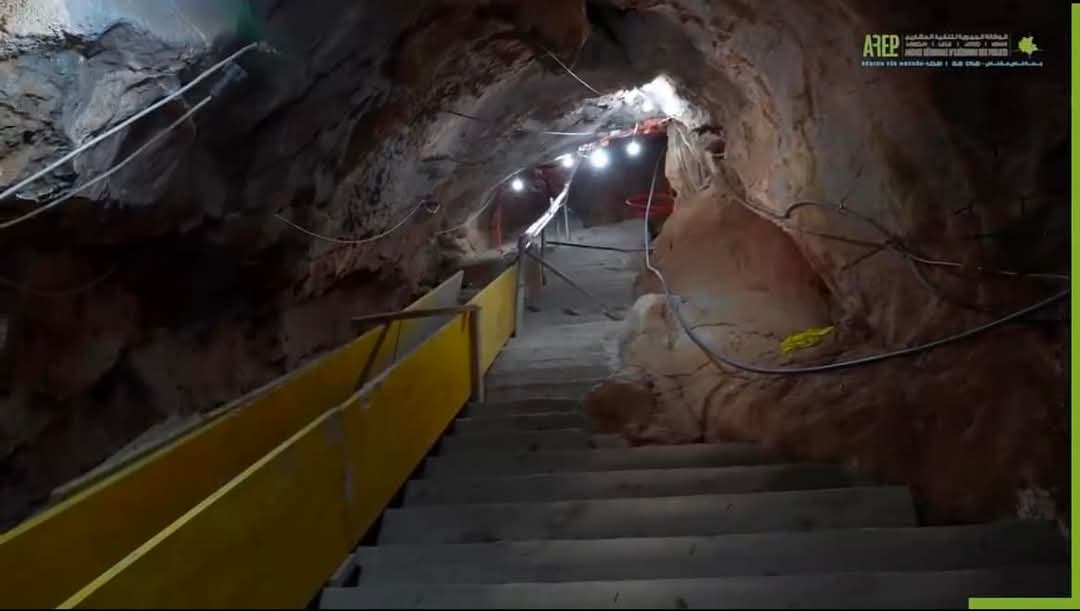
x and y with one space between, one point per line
881 45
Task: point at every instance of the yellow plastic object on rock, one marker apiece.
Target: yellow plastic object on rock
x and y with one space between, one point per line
804 339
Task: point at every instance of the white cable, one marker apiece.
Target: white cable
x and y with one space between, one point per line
14 189
490 195
116 168
571 73
892 243
352 241
997 272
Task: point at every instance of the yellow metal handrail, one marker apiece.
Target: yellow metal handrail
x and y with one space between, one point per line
57 553
272 535
476 379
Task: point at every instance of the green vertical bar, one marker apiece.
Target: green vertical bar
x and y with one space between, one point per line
1074 334
1074 304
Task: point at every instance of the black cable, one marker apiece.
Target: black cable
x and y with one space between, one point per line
893 241
576 286
579 245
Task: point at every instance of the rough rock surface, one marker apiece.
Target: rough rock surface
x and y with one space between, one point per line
127 301
969 426
974 427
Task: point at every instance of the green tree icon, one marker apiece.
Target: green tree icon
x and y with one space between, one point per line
1027 45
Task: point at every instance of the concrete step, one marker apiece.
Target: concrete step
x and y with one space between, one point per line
572 389
586 373
516 358
566 341
522 422
862 590
608 459
629 484
537 342
608 440
525 406
827 551
671 516
608 288
556 334
518 441
568 315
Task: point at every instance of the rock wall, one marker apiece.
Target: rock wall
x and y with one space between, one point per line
124 300
979 428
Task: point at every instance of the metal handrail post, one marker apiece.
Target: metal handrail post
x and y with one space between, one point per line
566 221
476 375
543 243
519 288
467 310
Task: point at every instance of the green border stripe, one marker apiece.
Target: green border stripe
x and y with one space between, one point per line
1074 313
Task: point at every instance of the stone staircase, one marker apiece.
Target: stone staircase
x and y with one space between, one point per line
521 506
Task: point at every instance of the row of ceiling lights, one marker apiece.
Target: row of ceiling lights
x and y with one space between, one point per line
598 159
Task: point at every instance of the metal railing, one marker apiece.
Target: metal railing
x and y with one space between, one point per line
472 314
533 239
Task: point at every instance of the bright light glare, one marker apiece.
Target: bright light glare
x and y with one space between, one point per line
567 161
634 148
647 105
517 184
599 158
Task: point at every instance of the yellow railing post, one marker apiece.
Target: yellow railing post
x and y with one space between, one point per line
475 366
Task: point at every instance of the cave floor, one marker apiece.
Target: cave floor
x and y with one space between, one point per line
523 505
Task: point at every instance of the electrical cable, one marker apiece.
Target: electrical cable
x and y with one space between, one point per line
466 116
491 191
592 246
571 73
720 359
893 242
61 293
366 240
489 196
996 272
548 132
165 100
603 308
116 168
